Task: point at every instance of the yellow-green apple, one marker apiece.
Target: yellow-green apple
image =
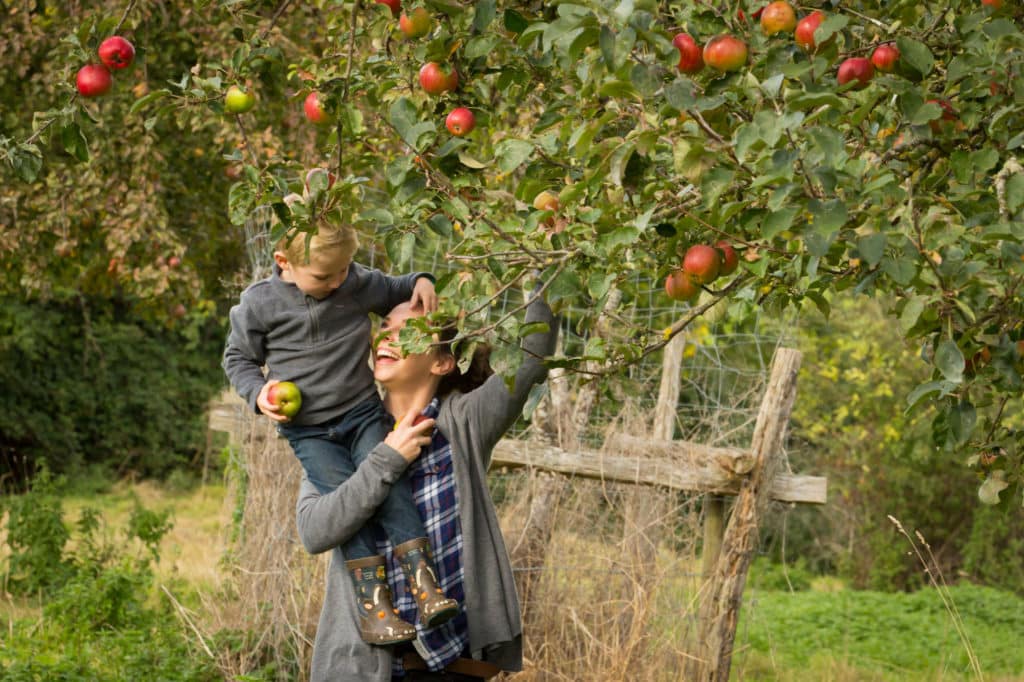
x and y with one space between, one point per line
238 100
93 80
856 69
435 80
546 201
730 260
725 53
416 24
885 57
681 286
116 53
285 395
315 112
702 263
778 17
804 34
460 121
394 5
690 59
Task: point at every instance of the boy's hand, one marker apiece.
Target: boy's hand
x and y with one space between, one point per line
408 439
423 294
267 407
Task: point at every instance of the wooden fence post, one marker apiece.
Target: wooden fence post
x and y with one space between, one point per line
721 602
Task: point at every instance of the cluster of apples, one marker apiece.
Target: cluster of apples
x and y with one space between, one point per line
115 54
435 79
729 53
702 264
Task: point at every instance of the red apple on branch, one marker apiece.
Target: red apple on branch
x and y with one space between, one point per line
116 53
394 5
460 122
681 286
690 59
725 53
314 110
778 17
856 69
93 80
804 34
730 259
435 80
885 57
702 262
416 24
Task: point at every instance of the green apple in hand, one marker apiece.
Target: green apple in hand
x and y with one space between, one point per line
285 395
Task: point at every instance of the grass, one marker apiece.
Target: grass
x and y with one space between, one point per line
847 635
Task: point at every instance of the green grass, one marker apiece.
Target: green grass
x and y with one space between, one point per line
855 635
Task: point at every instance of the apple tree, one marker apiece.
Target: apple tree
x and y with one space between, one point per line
871 148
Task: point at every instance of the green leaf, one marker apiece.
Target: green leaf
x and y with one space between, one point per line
942 388
950 361
440 224
681 93
916 54
962 419
620 157
827 216
528 328
514 21
1015 192
989 491
911 312
484 15
607 42
511 153
779 221
618 237
871 248
146 99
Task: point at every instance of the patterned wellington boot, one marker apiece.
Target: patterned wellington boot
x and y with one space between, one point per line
418 566
378 618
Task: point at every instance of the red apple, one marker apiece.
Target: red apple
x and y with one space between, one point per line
460 122
804 34
116 53
857 69
93 80
778 17
994 4
730 259
681 286
179 311
173 262
725 53
394 5
885 57
415 24
285 395
314 109
690 60
702 262
435 80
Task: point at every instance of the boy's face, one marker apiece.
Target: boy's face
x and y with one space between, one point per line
325 272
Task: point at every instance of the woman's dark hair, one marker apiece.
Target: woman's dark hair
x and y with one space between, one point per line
475 375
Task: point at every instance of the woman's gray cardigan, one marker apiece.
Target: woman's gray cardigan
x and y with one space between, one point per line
473 423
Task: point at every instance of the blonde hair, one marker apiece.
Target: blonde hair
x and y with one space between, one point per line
328 237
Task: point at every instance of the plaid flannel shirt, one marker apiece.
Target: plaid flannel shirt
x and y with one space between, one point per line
433 487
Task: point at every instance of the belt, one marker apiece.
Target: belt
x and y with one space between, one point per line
460 666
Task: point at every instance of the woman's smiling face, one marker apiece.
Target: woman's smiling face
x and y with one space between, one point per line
390 367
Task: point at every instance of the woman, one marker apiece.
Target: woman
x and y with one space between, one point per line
449 479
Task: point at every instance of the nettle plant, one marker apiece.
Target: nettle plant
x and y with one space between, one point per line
866 147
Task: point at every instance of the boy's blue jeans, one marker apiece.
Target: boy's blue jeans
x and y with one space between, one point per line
330 453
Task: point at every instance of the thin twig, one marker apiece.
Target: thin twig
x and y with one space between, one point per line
124 17
188 621
273 19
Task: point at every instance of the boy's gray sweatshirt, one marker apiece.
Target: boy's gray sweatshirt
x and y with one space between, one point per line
473 423
323 346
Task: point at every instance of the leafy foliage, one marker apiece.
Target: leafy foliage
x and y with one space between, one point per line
908 190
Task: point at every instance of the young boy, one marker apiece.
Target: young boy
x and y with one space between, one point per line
308 323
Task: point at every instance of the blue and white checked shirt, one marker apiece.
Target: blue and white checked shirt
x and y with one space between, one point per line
433 488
